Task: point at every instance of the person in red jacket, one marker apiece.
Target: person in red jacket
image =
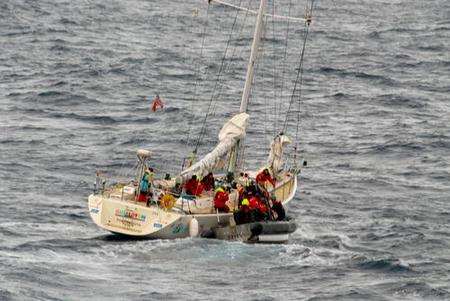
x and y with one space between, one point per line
253 203
220 200
191 186
208 182
157 103
263 177
258 209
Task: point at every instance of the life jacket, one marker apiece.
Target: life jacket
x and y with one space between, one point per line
244 208
220 199
199 189
208 183
253 203
262 178
157 103
262 207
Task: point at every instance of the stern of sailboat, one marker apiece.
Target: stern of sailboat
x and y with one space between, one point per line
133 219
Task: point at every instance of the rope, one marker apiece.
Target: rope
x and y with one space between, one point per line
233 54
266 107
274 71
308 23
299 78
202 130
197 71
284 59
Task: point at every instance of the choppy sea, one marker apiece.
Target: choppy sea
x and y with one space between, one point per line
373 205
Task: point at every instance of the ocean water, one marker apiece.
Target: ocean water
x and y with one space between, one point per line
373 205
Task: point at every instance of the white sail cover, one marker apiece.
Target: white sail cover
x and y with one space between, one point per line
275 160
229 135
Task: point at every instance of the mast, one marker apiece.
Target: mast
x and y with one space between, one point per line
235 152
253 56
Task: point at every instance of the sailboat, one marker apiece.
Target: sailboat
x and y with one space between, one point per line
171 213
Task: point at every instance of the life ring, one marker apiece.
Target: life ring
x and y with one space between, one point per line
167 201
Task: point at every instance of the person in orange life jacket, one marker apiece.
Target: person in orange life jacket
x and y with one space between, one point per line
220 200
157 103
208 182
263 177
191 186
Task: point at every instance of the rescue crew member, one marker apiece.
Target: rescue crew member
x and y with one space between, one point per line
192 186
263 177
258 210
144 187
208 182
277 207
151 176
242 216
220 200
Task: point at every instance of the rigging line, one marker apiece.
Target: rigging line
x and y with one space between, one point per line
263 81
274 71
278 17
283 73
233 54
299 77
202 130
197 75
308 16
227 67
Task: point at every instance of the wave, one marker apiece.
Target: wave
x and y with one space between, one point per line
94 119
352 294
6 295
399 100
384 264
59 48
61 98
393 146
66 21
417 288
75 245
358 74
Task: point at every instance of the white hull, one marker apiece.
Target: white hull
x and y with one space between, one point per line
133 219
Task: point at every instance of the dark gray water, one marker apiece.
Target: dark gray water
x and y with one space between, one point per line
373 205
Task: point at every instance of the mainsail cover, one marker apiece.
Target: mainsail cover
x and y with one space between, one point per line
275 160
229 135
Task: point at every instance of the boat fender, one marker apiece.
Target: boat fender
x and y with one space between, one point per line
193 227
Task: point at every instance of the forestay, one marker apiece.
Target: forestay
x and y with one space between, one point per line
229 135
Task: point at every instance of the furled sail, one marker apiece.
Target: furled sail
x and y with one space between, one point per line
229 135
275 160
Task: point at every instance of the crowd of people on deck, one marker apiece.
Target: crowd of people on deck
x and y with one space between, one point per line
254 202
